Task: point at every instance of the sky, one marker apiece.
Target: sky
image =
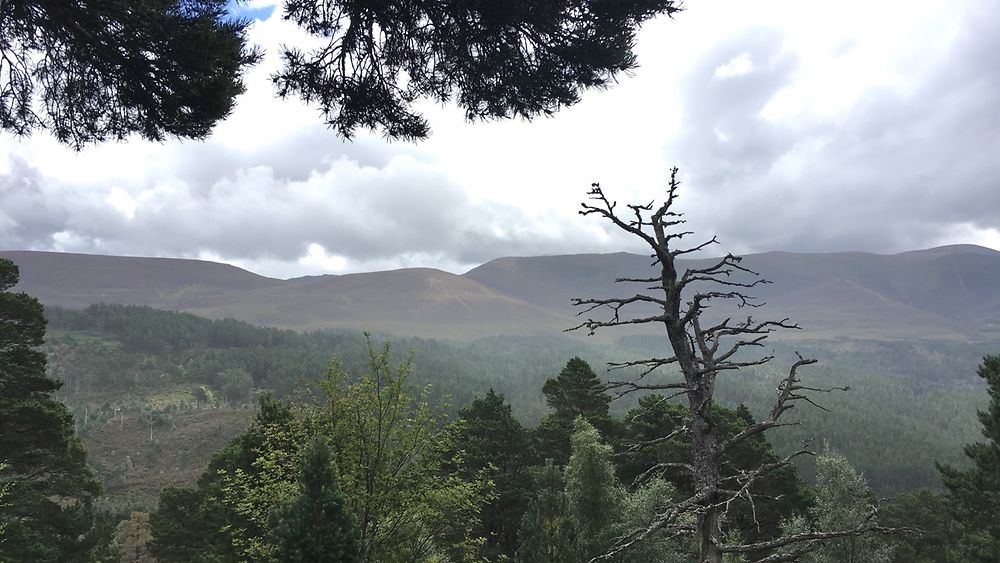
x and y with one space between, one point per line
797 126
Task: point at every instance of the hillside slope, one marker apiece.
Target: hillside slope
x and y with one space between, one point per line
940 293
947 292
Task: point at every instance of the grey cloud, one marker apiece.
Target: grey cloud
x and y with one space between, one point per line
897 172
380 212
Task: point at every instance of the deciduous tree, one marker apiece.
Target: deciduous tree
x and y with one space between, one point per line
315 526
394 450
843 498
592 492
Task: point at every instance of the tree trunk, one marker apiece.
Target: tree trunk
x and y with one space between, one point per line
706 471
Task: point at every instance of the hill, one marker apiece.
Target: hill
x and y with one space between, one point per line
940 293
77 280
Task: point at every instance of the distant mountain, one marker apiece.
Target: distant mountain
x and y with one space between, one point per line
78 280
419 301
948 292
940 293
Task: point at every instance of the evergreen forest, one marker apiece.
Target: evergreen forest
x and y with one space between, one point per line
202 436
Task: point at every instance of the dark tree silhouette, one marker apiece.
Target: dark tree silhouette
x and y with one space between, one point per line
495 59
316 525
105 69
702 350
48 512
576 391
975 492
495 442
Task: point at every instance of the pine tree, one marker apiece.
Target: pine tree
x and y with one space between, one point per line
975 492
577 391
47 513
494 59
105 69
779 495
493 440
547 533
316 526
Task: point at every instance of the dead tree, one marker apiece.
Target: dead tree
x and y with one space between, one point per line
701 352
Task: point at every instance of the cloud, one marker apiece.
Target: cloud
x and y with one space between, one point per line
343 214
795 129
904 163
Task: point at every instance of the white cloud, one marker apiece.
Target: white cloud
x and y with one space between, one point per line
737 66
796 126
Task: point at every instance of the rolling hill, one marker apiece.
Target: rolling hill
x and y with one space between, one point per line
939 293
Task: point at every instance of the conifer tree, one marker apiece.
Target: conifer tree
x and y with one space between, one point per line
316 526
547 533
47 513
577 391
493 440
494 59
105 69
975 492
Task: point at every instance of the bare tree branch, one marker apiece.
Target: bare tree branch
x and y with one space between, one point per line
700 354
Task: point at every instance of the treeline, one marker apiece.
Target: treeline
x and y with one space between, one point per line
369 465
416 487
902 414
405 484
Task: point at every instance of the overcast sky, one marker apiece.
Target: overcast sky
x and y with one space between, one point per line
803 126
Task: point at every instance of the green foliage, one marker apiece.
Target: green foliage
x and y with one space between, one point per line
185 529
930 512
592 510
392 451
781 493
638 509
251 493
592 492
47 511
577 391
975 492
235 384
315 526
225 517
496 61
548 534
104 70
494 443
843 501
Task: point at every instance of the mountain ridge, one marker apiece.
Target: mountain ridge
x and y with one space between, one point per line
938 293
